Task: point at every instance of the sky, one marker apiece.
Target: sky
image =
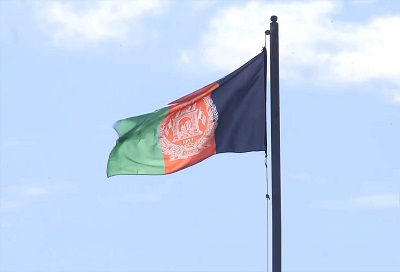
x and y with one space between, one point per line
69 70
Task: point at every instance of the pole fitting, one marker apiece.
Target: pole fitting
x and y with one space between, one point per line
274 18
267 32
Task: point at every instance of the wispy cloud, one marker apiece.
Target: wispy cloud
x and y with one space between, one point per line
364 2
200 5
34 191
14 142
80 24
313 43
396 97
235 33
185 57
142 194
309 178
393 95
362 202
367 51
15 197
379 201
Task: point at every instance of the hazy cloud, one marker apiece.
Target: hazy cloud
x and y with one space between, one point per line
393 95
13 142
304 177
34 191
313 43
185 57
80 24
200 5
140 195
235 33
16 196
361 202
368 51
378 201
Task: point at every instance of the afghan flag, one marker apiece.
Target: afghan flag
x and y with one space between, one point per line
228 115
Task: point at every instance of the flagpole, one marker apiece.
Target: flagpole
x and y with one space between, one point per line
275 147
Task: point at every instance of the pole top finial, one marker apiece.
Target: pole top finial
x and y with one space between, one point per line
274 18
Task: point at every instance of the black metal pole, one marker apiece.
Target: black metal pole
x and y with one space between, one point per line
275 147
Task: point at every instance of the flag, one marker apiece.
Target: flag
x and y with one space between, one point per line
228 115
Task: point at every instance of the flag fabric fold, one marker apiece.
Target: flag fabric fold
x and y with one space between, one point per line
228 115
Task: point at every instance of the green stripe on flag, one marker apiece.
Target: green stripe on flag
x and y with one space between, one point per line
138 149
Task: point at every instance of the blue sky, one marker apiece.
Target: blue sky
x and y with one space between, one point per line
69 70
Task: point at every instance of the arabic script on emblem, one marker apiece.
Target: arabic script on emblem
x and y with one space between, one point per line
188 131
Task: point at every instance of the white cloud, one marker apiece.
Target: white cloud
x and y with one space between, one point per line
313 43
34 191
307 178
378 201
393 95
15 197
14 142
363 202
369 51
8 205
364 2
396 97
139 195
236 33
200 5
76 25
4 225
185 57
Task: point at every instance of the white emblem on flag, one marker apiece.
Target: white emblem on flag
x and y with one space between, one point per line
188 131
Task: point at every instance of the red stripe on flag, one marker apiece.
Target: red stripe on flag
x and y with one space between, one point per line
187 132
